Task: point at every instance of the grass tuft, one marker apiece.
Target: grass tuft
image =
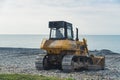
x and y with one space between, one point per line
28 77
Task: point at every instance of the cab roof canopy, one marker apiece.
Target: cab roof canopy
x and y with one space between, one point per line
59 24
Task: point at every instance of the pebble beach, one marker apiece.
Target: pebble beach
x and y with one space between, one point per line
21 60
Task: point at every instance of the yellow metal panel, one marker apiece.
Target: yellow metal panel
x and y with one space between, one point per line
58 46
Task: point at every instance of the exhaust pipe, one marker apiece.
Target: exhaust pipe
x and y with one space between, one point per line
77 34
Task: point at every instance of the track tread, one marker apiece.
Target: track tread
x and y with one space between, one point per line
67 63
39 62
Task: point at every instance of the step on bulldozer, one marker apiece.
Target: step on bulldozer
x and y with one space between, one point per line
62 51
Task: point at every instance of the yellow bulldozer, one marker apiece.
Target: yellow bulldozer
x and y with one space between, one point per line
62 51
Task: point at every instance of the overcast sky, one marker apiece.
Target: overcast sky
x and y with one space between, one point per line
32 16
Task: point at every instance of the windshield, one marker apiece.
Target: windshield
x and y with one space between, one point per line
57 33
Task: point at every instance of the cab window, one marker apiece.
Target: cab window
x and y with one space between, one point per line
69 32
57 33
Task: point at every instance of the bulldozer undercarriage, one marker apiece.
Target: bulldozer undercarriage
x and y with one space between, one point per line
67 63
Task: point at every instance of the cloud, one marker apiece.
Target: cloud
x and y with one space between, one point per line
75 3
32 16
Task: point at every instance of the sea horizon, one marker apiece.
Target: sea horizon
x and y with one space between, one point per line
95 42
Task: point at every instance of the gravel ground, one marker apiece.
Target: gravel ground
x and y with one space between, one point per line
21 60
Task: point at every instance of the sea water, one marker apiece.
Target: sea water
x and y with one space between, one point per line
95 42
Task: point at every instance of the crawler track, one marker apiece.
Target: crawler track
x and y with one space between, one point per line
67 63
39 62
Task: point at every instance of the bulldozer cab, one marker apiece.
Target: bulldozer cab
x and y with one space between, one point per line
60 30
